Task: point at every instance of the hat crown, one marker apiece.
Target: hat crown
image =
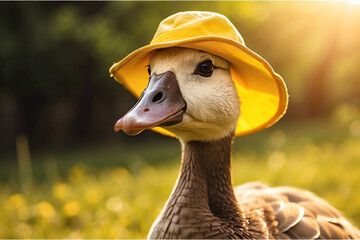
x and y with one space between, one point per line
194 24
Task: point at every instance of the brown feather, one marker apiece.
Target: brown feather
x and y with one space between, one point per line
290 215
320 208
330 230
298 213
307 228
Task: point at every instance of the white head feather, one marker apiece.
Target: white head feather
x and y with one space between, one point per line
213 105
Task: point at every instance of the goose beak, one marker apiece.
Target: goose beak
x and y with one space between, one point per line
160 104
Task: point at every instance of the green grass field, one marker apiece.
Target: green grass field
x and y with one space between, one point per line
117 191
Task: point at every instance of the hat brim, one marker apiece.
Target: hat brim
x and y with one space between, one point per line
262 92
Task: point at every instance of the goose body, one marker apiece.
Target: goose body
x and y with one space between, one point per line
191 94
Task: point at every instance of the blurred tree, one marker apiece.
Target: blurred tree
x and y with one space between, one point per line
55 85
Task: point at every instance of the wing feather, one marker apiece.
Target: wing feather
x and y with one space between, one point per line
320 208
289 216
307 228
329 230
298 213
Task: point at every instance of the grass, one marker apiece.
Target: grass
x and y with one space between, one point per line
117 191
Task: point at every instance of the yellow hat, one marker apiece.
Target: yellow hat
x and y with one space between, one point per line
262 92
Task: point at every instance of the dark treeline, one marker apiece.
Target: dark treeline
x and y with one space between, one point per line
54 81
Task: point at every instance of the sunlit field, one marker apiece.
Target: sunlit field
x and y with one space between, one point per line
117 191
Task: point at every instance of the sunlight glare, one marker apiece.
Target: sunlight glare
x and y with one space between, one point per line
353 2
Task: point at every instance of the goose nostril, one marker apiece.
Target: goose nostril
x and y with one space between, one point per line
146 110
157 97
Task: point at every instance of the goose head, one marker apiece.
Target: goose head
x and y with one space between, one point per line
190 93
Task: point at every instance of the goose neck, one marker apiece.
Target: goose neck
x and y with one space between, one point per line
203 203
209 164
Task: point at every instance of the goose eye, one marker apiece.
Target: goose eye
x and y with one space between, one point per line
149 71
205 68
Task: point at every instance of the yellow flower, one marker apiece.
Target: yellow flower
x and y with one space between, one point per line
114 204
93 196
60 191
77 173
23 213
120 175
15 201
24 230
45 209
71 208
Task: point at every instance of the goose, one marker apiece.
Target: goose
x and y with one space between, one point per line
191 94
203 204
